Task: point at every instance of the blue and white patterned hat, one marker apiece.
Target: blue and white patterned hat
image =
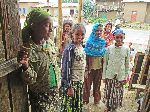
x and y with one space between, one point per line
118 31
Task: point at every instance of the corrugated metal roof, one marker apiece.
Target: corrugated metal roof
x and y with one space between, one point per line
29 1
56 5
136 0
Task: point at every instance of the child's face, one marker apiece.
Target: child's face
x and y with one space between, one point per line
67 27
78 36
119 39
108 28
43 30
99 31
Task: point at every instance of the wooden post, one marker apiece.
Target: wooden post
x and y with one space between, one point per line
80 10
48 5
59 38
13 92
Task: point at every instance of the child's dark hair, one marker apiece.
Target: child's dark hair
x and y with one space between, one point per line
77 26
108 24
69 22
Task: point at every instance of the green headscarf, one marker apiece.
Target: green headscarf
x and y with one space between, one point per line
35 16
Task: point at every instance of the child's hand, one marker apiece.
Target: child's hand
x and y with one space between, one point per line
70 92
22 58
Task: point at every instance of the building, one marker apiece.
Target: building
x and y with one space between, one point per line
25 6
108 8
68 9
137 10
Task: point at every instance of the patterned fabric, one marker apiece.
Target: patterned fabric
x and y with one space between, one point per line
116 62
42 92
95 46
108 36
52 73
113 94
118 31
37 76
79 64
44 102
72 104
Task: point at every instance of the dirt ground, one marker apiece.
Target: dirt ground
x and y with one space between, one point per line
129 103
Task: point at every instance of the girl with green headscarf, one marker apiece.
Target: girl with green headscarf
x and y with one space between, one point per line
37 59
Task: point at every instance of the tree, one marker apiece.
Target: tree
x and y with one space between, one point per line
88 7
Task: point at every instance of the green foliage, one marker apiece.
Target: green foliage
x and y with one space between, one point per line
97 20
88 8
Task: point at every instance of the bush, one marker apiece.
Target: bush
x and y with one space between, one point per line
96 20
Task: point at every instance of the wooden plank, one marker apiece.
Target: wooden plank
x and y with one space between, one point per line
4 95
2 50
8 67
18 92
146 102
11 28
136 69
4 92
145 65
59 38
14 92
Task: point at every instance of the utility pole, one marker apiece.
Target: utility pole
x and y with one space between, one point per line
80 10
59 38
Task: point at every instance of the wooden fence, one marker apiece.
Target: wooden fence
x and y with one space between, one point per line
13 93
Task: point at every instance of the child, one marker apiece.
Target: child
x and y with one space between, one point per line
66 35
38 64
73 68
108 36
115 71
94 49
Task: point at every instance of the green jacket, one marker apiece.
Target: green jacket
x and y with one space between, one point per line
40 75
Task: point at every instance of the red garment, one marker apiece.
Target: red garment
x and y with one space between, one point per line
108 36
64 41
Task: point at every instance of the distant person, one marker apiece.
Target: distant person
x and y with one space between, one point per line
66 34
115 71
132 51
107 35
117 25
